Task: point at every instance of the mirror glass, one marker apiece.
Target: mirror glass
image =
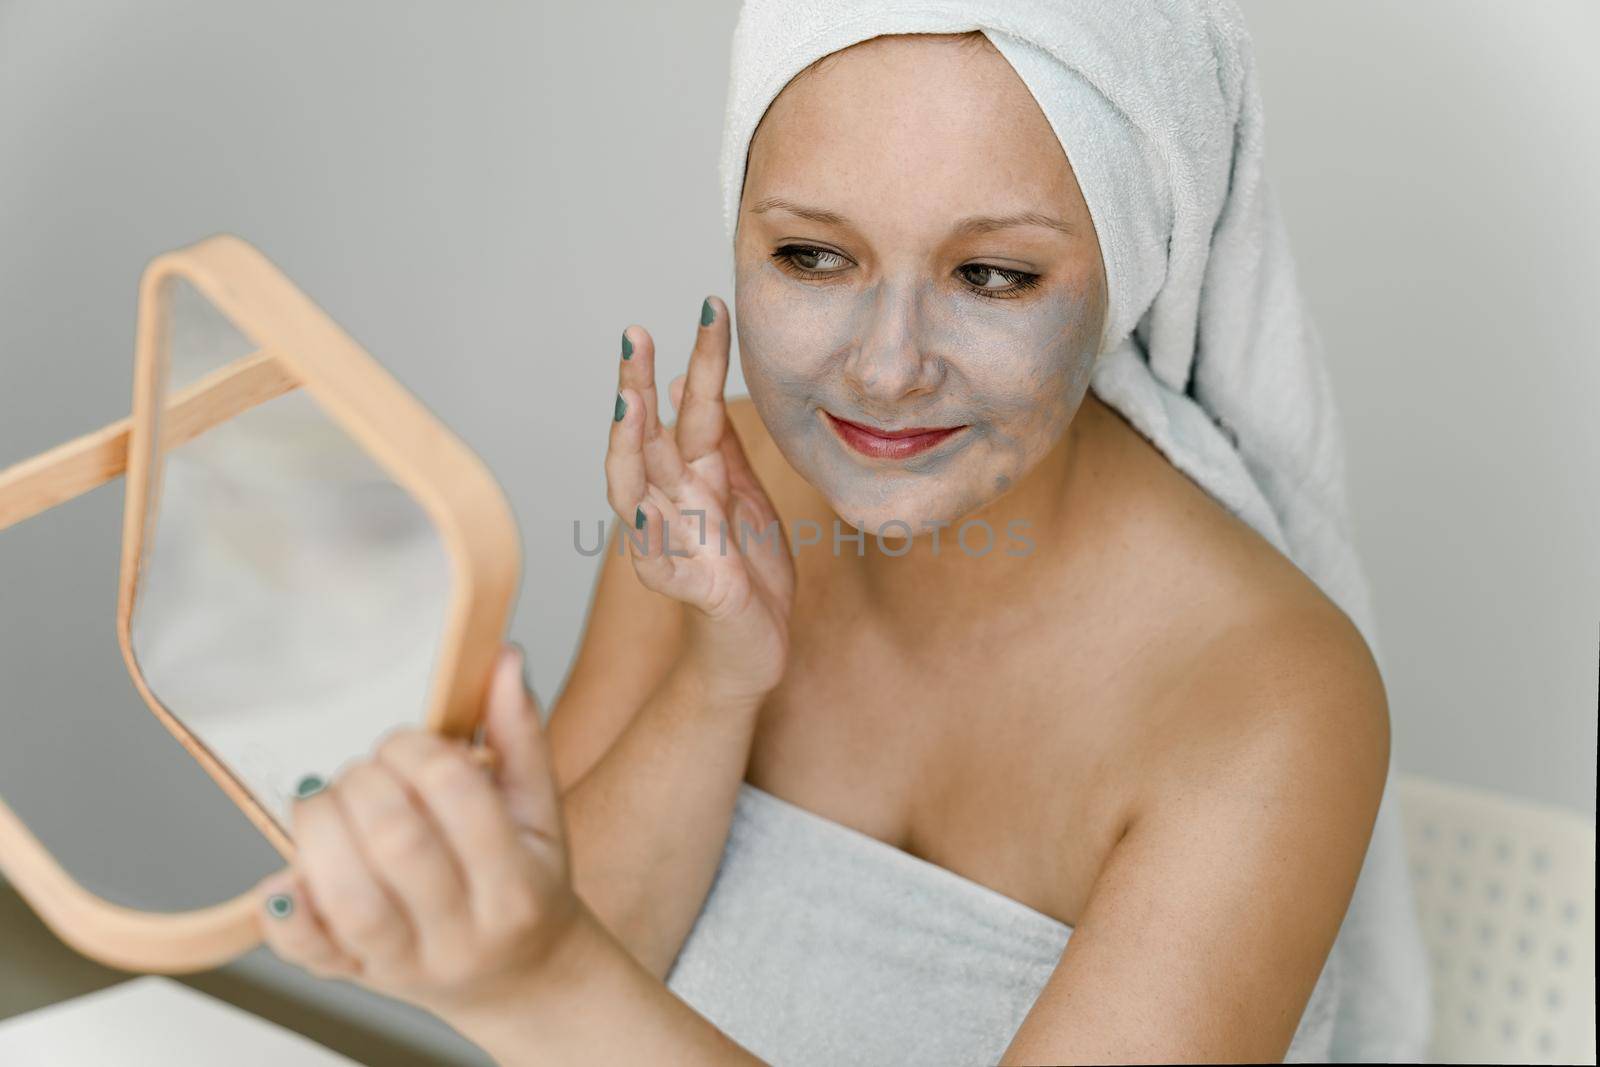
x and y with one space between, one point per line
292 596
91 773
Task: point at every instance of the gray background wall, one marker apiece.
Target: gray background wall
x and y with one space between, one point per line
486 194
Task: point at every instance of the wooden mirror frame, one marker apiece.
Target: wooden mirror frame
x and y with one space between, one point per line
298 346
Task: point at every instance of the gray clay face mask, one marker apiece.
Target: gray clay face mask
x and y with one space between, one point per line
908 349
862 293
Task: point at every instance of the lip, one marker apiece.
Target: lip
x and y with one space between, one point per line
890 444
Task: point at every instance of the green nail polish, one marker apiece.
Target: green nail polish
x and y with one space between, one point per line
708 314
627 346
622 409
280 905
310 785
638 518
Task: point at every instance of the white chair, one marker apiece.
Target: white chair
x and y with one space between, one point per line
1505 892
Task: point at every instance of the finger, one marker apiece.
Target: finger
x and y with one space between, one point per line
675 390
628 491
294 931
525 777
407 852
701 412
364 920
637 369
646 536
663 466
624 464
468 809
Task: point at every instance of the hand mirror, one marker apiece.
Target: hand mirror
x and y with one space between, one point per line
308 560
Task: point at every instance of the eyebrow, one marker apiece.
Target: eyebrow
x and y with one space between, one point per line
967 227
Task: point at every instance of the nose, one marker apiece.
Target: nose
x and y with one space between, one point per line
891 361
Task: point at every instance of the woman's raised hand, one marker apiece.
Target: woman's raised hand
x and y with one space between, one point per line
698 523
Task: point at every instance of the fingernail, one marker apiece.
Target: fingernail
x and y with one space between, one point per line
280 905
627 346
708 314
522 660
621 410
638 518
310 785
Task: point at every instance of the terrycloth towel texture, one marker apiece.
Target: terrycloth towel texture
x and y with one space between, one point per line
821 946
1207 350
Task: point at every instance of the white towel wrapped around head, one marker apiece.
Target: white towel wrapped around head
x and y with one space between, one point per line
1207 348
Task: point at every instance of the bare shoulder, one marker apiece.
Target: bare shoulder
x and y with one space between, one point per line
1258 779
753 435
747 420
791 494
1265 676
1282 710
1298 680
1250 754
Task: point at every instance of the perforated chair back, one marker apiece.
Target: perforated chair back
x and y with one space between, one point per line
1505 891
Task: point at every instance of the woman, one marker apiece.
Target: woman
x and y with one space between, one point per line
1129 719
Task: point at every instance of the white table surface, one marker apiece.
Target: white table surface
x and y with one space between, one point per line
154 1022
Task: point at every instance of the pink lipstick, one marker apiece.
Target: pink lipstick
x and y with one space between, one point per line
890 444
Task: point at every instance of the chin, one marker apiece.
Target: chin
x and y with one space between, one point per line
918 513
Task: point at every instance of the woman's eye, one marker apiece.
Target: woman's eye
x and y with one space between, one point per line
809 260
995 282
1013 282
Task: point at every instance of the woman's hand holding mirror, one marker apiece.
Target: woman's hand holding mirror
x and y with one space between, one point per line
699 525
422 877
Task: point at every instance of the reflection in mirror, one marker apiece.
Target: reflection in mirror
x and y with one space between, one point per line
292 597
102 784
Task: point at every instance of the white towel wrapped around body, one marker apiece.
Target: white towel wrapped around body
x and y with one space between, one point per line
1207 350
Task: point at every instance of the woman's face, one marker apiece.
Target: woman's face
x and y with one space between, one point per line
913 252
